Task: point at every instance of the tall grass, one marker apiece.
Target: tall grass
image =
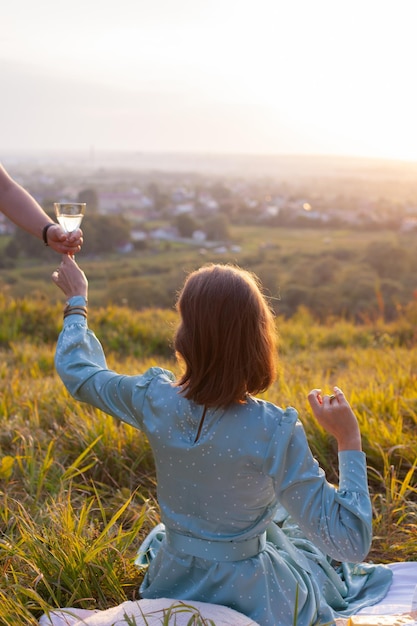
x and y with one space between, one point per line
77 489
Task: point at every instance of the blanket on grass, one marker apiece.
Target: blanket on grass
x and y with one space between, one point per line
395 608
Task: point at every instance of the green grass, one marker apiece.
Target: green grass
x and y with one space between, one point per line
77 489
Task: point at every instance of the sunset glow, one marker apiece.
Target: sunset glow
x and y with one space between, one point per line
266 77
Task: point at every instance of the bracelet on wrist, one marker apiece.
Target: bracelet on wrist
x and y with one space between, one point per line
45 232
75 310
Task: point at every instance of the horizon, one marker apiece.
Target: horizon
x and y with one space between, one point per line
280 167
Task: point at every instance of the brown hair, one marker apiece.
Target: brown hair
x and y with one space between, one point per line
226 336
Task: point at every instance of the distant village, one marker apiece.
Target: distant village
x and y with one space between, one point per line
199 208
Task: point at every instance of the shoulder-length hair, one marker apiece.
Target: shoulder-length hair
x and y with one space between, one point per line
226 336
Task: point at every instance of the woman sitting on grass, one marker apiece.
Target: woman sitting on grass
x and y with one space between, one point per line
249 519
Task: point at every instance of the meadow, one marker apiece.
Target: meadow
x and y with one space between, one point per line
356 273
77 489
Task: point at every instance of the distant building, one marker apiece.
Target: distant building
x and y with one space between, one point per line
138 235
207 203
125 248
116 202
167 234
408 224
271 211
199 235
184 207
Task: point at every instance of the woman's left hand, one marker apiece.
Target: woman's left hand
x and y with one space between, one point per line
70 278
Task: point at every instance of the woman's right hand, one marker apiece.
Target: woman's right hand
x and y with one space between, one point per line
70 278
334 414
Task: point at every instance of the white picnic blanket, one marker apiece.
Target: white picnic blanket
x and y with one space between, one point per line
149 613
399 599
401 594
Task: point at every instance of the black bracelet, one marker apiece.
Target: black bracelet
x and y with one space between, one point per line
44 233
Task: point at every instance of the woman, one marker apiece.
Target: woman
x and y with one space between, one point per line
249 520
22 209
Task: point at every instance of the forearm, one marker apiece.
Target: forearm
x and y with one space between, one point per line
81 365
338 521
20 207
344 529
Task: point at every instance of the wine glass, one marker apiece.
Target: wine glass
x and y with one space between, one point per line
69 214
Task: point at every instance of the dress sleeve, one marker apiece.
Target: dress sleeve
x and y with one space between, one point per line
81 365
336 520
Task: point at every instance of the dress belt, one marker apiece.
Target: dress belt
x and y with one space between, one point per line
216 550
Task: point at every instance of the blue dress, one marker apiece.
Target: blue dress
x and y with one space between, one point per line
249 519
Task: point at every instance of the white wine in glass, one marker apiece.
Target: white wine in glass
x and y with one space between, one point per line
69 214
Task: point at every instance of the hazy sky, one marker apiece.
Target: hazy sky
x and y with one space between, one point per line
251 76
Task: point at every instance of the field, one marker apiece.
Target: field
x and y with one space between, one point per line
77 489
353 273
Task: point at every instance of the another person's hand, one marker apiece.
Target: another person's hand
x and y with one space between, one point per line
70 278
62 242
334 414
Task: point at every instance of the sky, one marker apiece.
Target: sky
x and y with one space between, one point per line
327 77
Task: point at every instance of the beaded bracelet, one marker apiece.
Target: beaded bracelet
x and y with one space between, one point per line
75 310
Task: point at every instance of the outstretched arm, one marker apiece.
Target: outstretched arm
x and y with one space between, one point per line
81 362
23 210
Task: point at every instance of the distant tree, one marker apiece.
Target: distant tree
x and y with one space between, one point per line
388 260
323 270
293 297
105 233
141 293
186 224
90 197
160 198
8 256
228 207
220 192
12 250
25 244
217 228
